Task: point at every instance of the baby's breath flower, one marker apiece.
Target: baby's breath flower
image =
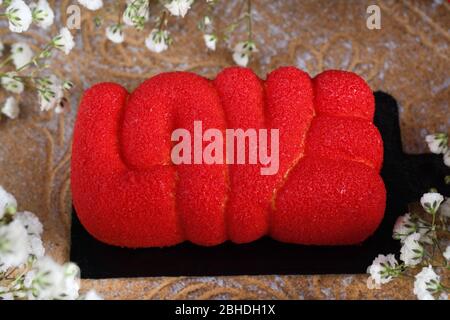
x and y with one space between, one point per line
19 16
136 13
447 253
437 143
14 248
61 105
207 21
91 4
425 231
115 33
242 52
64 41
447 158
36 246
50 92
431 201
11 110
179 7
241 59
210 41
67 85
49 280
384 268
12 83
8 295
443 296
21 54
30 222
158 40
427 283
404 226
8 203
444 209
42 13
411 252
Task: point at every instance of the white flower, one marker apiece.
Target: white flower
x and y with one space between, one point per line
36 246
67 85
51 92
14 248
241 59
7 295
30 222
42 13
447 158
61 106
21 54
383 268
8 203
2 47
158 40
404 226
12 83
210 41
49 280
245 46
34 230
427 282
443 296
136 13
11 110
207 21
444 209
411 252
242 52
19 16
64 41
447 253
437 143
91 4
92 295
431 201
115 33
71 280
179 7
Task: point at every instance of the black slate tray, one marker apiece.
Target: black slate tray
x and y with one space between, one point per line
406 177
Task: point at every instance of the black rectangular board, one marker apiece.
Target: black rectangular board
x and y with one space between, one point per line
406 178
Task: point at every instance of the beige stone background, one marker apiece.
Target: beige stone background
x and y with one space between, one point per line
408 58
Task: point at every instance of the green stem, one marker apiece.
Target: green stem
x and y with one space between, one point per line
37 57
4 62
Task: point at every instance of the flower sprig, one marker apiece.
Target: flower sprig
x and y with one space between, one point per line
25 271
22 68
136 14
421 238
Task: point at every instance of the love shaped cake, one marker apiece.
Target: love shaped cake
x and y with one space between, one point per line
322 188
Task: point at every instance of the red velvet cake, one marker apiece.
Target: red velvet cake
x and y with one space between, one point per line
327 191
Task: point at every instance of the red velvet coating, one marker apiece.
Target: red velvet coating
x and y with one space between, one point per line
328 191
